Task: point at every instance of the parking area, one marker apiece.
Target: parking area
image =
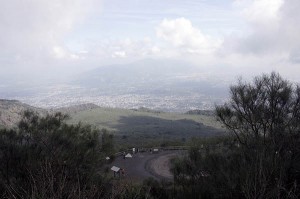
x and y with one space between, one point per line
144 165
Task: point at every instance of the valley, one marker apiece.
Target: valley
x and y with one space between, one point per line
130 127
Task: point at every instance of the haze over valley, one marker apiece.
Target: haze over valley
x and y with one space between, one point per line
170 55
165 85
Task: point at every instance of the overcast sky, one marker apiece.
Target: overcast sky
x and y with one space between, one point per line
229 37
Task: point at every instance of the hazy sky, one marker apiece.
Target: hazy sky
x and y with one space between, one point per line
229 37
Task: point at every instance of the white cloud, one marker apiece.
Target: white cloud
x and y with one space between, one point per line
182 35
35 34
260 12
155 50
59 52
129 48
274 29
271 44
119 54
33 31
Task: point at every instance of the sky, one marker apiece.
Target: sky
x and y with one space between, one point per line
228 38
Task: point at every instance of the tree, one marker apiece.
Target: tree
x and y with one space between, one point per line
107 142
264 116
46 158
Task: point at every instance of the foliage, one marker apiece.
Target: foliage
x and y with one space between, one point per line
46 158
265 118
208 171
107 142
262 160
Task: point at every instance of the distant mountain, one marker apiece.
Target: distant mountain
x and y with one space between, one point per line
156 77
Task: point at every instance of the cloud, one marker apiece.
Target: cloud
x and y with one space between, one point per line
60 34
274 29
181 34
274 32
260 12
123 48
119 54
32 32
271 42
59 52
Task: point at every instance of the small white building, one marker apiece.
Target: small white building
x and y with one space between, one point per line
116 170
128 155
155 150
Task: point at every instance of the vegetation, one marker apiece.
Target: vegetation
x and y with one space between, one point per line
262 160
46 158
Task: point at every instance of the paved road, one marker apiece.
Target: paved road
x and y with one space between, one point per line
144 165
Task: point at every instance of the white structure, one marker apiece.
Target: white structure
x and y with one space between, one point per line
155 150
115 169
128 155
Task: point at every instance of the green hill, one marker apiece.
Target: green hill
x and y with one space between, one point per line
142 126
130 127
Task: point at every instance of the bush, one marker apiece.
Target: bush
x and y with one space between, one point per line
46 158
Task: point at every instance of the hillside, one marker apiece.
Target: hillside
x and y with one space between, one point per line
11 112
140 126
71 110
136 126
112 117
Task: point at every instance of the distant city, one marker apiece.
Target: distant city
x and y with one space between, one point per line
165 85
66 96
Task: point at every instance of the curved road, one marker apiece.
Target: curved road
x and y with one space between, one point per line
144 165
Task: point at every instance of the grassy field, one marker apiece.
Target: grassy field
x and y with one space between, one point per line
110 117
138 127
